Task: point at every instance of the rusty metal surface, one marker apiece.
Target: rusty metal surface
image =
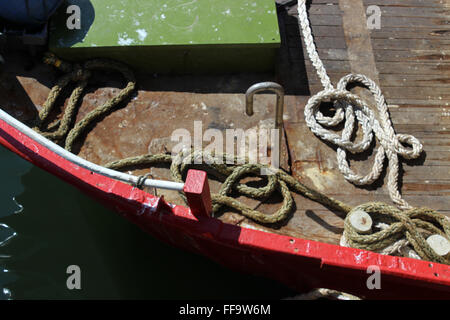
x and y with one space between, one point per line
145 124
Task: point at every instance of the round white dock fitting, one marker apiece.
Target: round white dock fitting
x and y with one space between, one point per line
439 244
361 221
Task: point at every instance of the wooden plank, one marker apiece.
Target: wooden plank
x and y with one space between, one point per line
357 37
397 3
414 68
383 33
416 44
433 95
380 44
410 33
406 56
433 99
424 64
386 21
321 42
434 81
424 121
386 11
425 56
293 30
384 67
419 101
406 3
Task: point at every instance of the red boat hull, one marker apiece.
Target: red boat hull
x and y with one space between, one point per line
298 263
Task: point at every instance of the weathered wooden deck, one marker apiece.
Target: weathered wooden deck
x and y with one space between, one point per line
408 57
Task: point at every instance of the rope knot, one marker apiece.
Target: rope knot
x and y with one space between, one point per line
408 153
349 109
80 74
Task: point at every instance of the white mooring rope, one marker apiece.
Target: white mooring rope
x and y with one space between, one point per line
322 293
348 106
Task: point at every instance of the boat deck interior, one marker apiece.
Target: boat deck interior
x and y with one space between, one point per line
408 57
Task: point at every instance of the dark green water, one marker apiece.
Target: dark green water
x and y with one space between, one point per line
51 225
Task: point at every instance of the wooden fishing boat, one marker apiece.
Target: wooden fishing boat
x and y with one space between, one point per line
407 59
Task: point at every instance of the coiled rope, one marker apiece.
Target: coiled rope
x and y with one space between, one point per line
79 74
398 229
348 106
279 182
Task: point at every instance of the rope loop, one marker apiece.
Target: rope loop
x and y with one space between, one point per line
79 74
231 175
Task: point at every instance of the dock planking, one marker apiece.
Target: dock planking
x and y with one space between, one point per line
409 58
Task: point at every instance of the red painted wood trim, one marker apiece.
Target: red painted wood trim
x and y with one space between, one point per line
196 189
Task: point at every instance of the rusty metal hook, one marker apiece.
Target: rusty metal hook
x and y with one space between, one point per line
278 89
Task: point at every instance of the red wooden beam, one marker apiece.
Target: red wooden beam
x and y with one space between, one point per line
196 189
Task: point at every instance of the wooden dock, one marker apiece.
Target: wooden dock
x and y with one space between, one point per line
409 58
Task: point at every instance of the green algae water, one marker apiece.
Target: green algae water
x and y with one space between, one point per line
46 225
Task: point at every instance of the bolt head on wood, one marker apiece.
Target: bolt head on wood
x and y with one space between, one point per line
439 244
361 221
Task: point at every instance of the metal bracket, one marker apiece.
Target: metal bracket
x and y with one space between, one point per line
278 89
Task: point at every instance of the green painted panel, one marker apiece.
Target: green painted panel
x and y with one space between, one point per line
177 35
